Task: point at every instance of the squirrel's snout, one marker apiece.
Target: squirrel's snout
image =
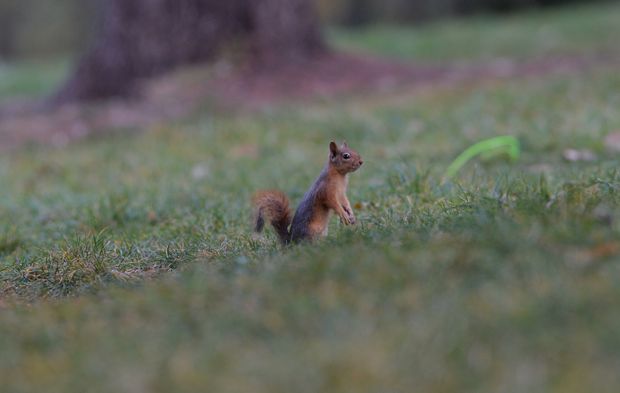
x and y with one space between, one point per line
361 162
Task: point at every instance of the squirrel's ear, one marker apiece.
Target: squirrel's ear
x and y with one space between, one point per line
333 149
344 144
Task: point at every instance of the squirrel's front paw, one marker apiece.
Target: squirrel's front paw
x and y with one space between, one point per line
348 219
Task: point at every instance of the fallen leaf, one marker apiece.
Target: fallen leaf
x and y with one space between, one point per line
245 150
605 250
574 155
612 141
200 171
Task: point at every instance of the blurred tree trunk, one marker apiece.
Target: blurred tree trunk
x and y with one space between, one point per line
8 18
358 13
6 38
138 39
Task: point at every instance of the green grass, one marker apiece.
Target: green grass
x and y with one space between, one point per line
592 28
28 79
128 263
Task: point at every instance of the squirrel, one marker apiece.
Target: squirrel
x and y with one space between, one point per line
327 193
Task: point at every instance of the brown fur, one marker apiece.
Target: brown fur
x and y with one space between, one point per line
327 194
274 206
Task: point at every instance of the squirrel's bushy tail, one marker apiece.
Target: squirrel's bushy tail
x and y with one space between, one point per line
273 207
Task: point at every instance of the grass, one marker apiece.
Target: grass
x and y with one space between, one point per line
28 79
128 264
573 30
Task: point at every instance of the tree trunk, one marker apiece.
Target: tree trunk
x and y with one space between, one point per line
8 23
138 39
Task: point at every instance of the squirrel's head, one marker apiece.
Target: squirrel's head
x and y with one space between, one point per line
343 158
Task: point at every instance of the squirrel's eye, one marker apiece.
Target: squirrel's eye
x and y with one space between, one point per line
346 156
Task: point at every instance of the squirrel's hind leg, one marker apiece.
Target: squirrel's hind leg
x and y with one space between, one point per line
259 222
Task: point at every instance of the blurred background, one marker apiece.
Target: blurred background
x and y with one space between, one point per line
127 258
35 29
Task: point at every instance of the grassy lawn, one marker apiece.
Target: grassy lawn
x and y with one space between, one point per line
128 263
31 78
591 28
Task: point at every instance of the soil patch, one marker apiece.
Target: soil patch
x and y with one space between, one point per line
233 88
